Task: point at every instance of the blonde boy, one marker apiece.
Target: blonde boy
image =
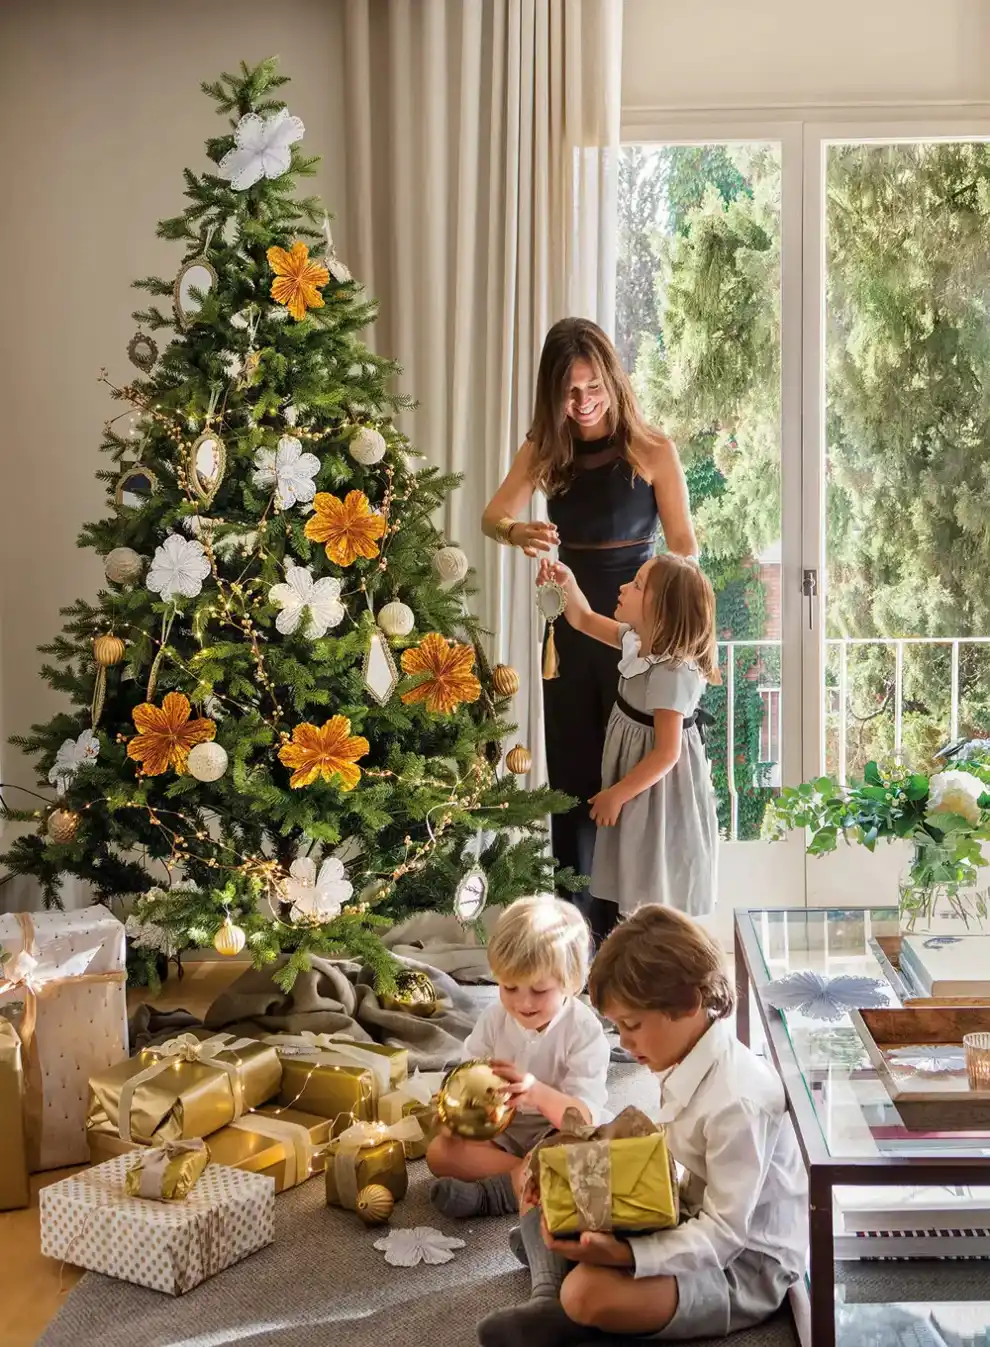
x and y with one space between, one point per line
546 1044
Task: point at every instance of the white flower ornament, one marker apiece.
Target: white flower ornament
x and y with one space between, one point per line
318 599
421 1244
315 896
262 149
178 567
70 757
288 470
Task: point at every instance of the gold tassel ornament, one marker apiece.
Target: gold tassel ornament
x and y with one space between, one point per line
551 664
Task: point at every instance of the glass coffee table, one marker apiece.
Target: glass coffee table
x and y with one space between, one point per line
851 1137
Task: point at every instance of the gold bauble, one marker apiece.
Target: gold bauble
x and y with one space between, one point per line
519 760
375 1204
414 993
506 680
62 826
108 650
472 1102
230 939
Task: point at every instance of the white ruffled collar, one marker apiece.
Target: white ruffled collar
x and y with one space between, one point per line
632 662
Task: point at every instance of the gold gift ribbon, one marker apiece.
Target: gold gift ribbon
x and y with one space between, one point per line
349 1144
185 1048
156 1160
414 1091
589 1171
299 1148
34 986
306 1043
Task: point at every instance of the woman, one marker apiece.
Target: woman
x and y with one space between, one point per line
608 478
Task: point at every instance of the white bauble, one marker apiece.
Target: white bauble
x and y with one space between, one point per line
123 566
450 564
367 447
396 619
207 762
229 939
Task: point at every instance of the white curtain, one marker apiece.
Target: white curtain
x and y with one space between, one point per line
482 141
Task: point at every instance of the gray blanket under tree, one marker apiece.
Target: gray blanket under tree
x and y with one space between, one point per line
336 996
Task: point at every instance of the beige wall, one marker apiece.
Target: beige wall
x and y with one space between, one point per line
761 52
102 110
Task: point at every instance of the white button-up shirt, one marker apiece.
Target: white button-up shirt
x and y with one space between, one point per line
745 1185
570 1055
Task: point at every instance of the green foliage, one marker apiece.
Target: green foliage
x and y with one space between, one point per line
193 852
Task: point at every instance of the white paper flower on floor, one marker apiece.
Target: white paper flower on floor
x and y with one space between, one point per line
422 1244
824 998
288 470
178 567
935 1059
315 896
70 757
261 149
318 599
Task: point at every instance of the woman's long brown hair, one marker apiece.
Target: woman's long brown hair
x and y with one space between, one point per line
550 434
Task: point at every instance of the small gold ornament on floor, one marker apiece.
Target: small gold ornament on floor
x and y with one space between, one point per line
551 599
472 1102
505 680
62 826
107 651
375 1204
142 351
230 939
414 994
519 760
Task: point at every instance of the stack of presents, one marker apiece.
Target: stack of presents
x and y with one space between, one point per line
190 1140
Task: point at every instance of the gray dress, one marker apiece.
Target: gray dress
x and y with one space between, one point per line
664 848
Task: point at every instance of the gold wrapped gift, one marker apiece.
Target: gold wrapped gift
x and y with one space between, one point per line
14 1188
282 1144
169 1172
317 1082
389 1066
415 1099
369 1153
619 1176
188 1087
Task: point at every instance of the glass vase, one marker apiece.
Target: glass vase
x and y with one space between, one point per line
941 909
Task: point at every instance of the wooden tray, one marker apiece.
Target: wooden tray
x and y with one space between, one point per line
925 1101
887 948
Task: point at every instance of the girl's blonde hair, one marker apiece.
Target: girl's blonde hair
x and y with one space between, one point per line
550 435
541 937
679 596
661 960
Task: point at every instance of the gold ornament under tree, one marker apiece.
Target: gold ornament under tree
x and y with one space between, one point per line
505 680
230 939
108 650
414 994
375 1204
62 826
472 1102
519 760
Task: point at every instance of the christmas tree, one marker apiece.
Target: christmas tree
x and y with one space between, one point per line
285 730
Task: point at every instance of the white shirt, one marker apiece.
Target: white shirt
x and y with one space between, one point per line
570 1055
746 1186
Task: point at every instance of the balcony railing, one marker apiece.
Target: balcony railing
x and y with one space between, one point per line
837 653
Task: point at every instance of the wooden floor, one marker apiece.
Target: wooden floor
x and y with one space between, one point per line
31 1284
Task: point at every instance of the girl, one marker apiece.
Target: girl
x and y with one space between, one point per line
729 1265
548 1046
608 478
657 836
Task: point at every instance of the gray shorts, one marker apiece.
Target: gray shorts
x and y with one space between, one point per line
720 1301
522 1133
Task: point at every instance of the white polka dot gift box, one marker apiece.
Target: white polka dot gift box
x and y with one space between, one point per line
62 985
89 1220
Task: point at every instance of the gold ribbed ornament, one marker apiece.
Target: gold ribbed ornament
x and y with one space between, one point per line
107 651
374 1204
505 680
230 939
519 760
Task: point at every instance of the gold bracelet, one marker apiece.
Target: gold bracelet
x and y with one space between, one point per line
502 530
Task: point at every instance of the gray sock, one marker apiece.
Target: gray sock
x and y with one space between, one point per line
483 1197
538 1323
516 1246
546 1268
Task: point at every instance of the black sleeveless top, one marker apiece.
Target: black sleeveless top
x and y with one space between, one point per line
605 501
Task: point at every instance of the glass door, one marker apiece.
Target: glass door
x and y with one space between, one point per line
897 462
707 322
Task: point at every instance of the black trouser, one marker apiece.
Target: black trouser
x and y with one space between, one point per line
577 706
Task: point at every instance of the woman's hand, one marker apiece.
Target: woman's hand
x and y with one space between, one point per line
606 807
593 1247
533 538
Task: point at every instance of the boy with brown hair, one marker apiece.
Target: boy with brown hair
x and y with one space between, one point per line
661 979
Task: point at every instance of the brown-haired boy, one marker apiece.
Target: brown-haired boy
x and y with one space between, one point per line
661 979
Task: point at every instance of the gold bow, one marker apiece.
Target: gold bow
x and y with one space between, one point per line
358 1136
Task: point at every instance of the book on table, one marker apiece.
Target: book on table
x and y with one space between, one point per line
947 966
